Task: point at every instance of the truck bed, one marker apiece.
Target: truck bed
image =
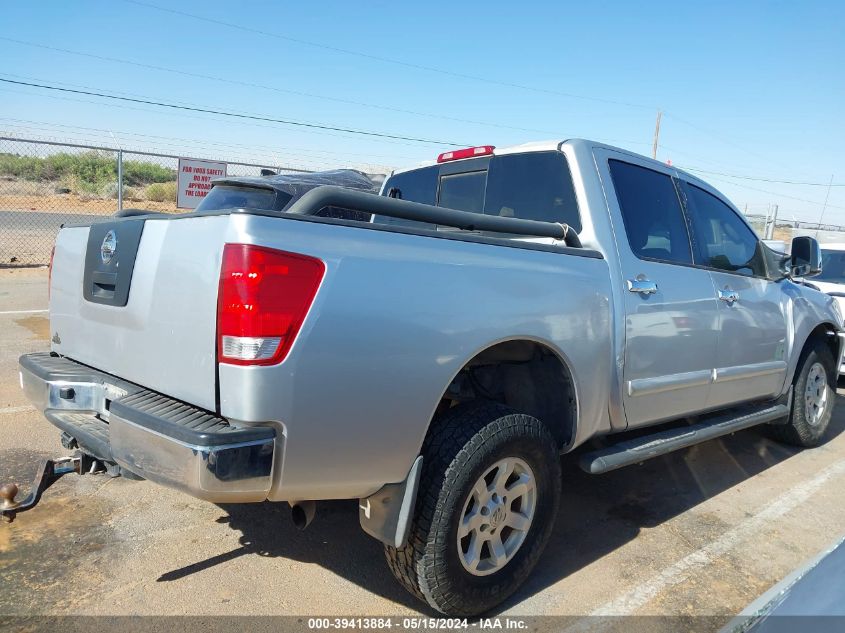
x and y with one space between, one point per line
398 314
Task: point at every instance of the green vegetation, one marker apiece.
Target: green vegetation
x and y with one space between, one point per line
136 173
161 192
92 172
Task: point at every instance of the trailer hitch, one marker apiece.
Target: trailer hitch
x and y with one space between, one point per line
50 471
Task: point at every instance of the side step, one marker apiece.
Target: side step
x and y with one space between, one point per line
642 448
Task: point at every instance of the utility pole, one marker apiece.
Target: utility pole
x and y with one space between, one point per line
656 134
771 231
824 206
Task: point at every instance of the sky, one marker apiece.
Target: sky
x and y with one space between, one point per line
752 93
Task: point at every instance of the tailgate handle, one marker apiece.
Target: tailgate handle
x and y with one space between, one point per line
104 284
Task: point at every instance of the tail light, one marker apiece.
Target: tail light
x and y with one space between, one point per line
50 271
262 301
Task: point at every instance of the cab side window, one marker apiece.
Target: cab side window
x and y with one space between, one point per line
651 211
723 240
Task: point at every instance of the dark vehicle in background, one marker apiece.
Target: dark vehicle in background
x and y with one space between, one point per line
279 192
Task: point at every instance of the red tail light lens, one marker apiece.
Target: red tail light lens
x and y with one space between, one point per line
263 298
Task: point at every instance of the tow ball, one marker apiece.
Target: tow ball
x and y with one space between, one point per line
50 471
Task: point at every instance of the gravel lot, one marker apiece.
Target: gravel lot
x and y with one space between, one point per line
701 532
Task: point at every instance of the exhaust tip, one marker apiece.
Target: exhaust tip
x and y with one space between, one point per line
302 513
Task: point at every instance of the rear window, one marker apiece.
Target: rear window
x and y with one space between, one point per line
464 191
533 186
232 197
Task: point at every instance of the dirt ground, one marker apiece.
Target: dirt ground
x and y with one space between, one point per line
696 535
74 203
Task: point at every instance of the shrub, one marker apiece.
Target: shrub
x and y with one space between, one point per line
94 169
161 192
60 165
133 194
90 171
137 173
25 167
109 190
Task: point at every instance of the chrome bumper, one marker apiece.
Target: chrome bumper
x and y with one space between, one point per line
157 438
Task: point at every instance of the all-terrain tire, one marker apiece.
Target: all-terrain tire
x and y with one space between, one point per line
804 428
462 445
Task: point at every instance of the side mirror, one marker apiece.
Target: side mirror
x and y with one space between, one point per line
806 258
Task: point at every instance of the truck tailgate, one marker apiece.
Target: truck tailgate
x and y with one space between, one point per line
150 317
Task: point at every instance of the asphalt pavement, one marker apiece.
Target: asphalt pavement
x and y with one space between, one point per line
26 237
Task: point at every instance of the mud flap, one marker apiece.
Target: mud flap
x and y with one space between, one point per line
386 514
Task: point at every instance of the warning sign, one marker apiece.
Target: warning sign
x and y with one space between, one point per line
195 178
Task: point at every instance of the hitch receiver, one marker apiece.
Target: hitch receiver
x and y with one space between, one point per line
49 472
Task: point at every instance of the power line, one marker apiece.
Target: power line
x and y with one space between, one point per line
774 193
185 115
394 157
249 84
274 157
120 93
711 134
772 180
371 105
439 70
198 108
388 60
324 153
379 58
204 110
434 69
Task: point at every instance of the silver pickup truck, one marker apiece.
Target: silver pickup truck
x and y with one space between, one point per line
502 308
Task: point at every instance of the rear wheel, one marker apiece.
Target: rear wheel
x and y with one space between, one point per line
814 392
487 501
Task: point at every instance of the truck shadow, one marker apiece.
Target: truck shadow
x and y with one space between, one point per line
598 514
333 541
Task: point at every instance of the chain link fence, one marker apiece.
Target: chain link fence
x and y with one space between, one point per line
769 228
45 185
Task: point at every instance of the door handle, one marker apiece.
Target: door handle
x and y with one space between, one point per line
642 286
729 296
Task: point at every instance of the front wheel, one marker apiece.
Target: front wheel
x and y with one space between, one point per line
486 505
813 396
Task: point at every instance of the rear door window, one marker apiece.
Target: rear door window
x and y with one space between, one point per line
651 211
534 186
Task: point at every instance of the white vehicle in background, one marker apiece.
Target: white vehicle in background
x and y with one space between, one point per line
832 278
778 246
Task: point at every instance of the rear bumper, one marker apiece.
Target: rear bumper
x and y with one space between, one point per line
153 436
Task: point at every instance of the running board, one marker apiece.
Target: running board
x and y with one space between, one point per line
642 448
